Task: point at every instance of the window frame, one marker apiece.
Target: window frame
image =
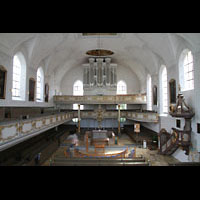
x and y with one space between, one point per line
78 84
121 92
40 85
185 72
19 77
164 101
149 93
16 77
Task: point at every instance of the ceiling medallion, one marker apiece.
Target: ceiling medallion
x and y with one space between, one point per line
99 52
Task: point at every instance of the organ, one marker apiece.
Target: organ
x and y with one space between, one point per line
100 77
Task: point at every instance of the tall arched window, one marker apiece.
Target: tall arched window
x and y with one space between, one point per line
149 93
78 91
19 77
40 85
122 89
163 90
186 70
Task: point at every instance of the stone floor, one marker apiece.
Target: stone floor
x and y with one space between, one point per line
151 155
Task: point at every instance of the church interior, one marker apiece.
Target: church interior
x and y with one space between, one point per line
99 99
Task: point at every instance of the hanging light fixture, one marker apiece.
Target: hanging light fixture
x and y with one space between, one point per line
99 51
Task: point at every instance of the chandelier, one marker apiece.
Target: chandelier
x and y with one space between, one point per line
99 52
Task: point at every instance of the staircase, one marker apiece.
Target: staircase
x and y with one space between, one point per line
169 147
169 143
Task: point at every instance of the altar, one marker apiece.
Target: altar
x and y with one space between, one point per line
99 137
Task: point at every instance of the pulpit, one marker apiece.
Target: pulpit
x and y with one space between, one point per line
179 138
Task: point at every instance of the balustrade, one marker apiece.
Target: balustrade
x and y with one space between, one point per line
17 130
98 99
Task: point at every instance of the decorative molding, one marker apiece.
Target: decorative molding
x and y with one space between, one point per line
98 99
36 124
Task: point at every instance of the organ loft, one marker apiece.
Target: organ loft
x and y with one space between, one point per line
101 99
100 76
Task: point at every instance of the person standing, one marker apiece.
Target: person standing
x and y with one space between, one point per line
37 159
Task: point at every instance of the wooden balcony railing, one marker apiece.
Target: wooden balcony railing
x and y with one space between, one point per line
132 115
97 99
19 130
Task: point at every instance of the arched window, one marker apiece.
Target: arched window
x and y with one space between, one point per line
122 89
40 85
149 93
19 77
186 70
163 90
78 91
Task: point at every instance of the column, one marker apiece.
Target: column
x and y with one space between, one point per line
119 130
79 119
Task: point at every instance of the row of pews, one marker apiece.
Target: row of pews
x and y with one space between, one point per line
63 161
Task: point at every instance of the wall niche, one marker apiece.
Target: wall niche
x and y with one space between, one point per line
31 89
172 91
46 92
155 95
3 76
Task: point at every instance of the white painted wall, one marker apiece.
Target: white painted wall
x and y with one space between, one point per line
7 62
163 56
192 98
123 73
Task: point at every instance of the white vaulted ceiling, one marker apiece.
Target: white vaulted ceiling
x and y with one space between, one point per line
59 52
